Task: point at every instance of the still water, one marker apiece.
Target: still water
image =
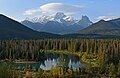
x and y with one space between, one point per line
50 60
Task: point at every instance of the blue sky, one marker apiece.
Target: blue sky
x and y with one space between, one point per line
94 9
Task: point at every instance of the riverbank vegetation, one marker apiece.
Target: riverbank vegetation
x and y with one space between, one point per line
102 57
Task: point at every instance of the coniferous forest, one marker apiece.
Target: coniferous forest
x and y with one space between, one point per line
99 56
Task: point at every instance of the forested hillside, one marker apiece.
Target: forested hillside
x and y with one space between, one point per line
102 27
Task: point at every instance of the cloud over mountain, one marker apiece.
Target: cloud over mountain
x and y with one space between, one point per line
53 8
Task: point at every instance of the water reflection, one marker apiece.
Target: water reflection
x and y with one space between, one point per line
48 64
53 60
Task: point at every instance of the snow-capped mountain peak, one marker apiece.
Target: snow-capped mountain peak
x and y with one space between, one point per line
41 19
59 15
57 23
56 17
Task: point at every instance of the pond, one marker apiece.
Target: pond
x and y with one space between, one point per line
51 60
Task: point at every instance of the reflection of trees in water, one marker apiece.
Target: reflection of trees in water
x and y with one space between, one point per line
46 60
48 56
74 58
65 59
68 61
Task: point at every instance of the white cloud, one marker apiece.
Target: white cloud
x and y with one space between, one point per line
31 11
55 7
107 17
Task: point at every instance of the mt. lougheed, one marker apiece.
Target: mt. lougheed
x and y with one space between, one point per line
58 23
53 27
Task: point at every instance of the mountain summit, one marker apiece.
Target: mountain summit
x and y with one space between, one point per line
59 16
85 21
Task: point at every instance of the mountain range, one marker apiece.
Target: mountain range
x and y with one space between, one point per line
11 29
58 23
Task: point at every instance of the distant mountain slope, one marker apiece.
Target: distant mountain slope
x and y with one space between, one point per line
116 22
102 27
11 29
35 26
58 24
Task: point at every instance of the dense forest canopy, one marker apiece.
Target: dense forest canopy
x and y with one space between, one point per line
100 55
